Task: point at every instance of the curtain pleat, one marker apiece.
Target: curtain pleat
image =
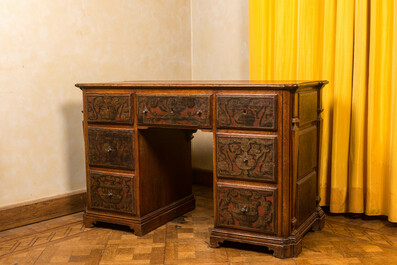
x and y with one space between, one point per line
393 132
353 44
285 49
328 62
357 152
342 104
379 107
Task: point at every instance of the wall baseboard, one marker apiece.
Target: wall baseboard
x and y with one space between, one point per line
40 210
202 177
35 211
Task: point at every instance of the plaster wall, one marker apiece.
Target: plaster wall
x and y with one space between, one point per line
49 45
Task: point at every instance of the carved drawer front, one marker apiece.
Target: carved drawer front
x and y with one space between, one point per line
109 108
110 148
246 208
112 192
174 110
254 112
247 157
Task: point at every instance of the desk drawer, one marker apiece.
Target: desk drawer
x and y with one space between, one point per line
110 148
249 209
246 157
247 112
109 108
174 110
112 192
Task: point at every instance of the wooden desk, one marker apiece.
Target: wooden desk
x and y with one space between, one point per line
266 139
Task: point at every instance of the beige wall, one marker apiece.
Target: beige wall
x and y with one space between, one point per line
49 45
219 52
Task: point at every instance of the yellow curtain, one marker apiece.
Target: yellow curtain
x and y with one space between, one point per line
352 44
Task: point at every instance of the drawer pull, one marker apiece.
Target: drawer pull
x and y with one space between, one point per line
243 111
174 110
246 157
111 192
110 148
243 208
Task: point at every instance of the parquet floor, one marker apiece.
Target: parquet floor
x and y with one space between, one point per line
65 240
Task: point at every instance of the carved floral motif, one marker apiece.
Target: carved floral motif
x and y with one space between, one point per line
247 112
246 157
115 108
174 110
112 192
110 148
253 209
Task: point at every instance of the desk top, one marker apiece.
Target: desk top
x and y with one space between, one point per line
216 84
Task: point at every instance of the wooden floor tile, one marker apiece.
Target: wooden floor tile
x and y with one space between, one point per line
33 239
345 239
23 258
126 248
86 248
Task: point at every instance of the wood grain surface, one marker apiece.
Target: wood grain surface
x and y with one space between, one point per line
216 84
345 239
260 147
44 209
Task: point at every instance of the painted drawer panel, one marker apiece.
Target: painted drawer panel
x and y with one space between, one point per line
174 110
248 209
247 157
110 148
248 112
112 192
109 108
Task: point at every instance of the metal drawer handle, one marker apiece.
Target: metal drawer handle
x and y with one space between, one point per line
244 209
199 112
145 110
245 159
109 149
110 194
